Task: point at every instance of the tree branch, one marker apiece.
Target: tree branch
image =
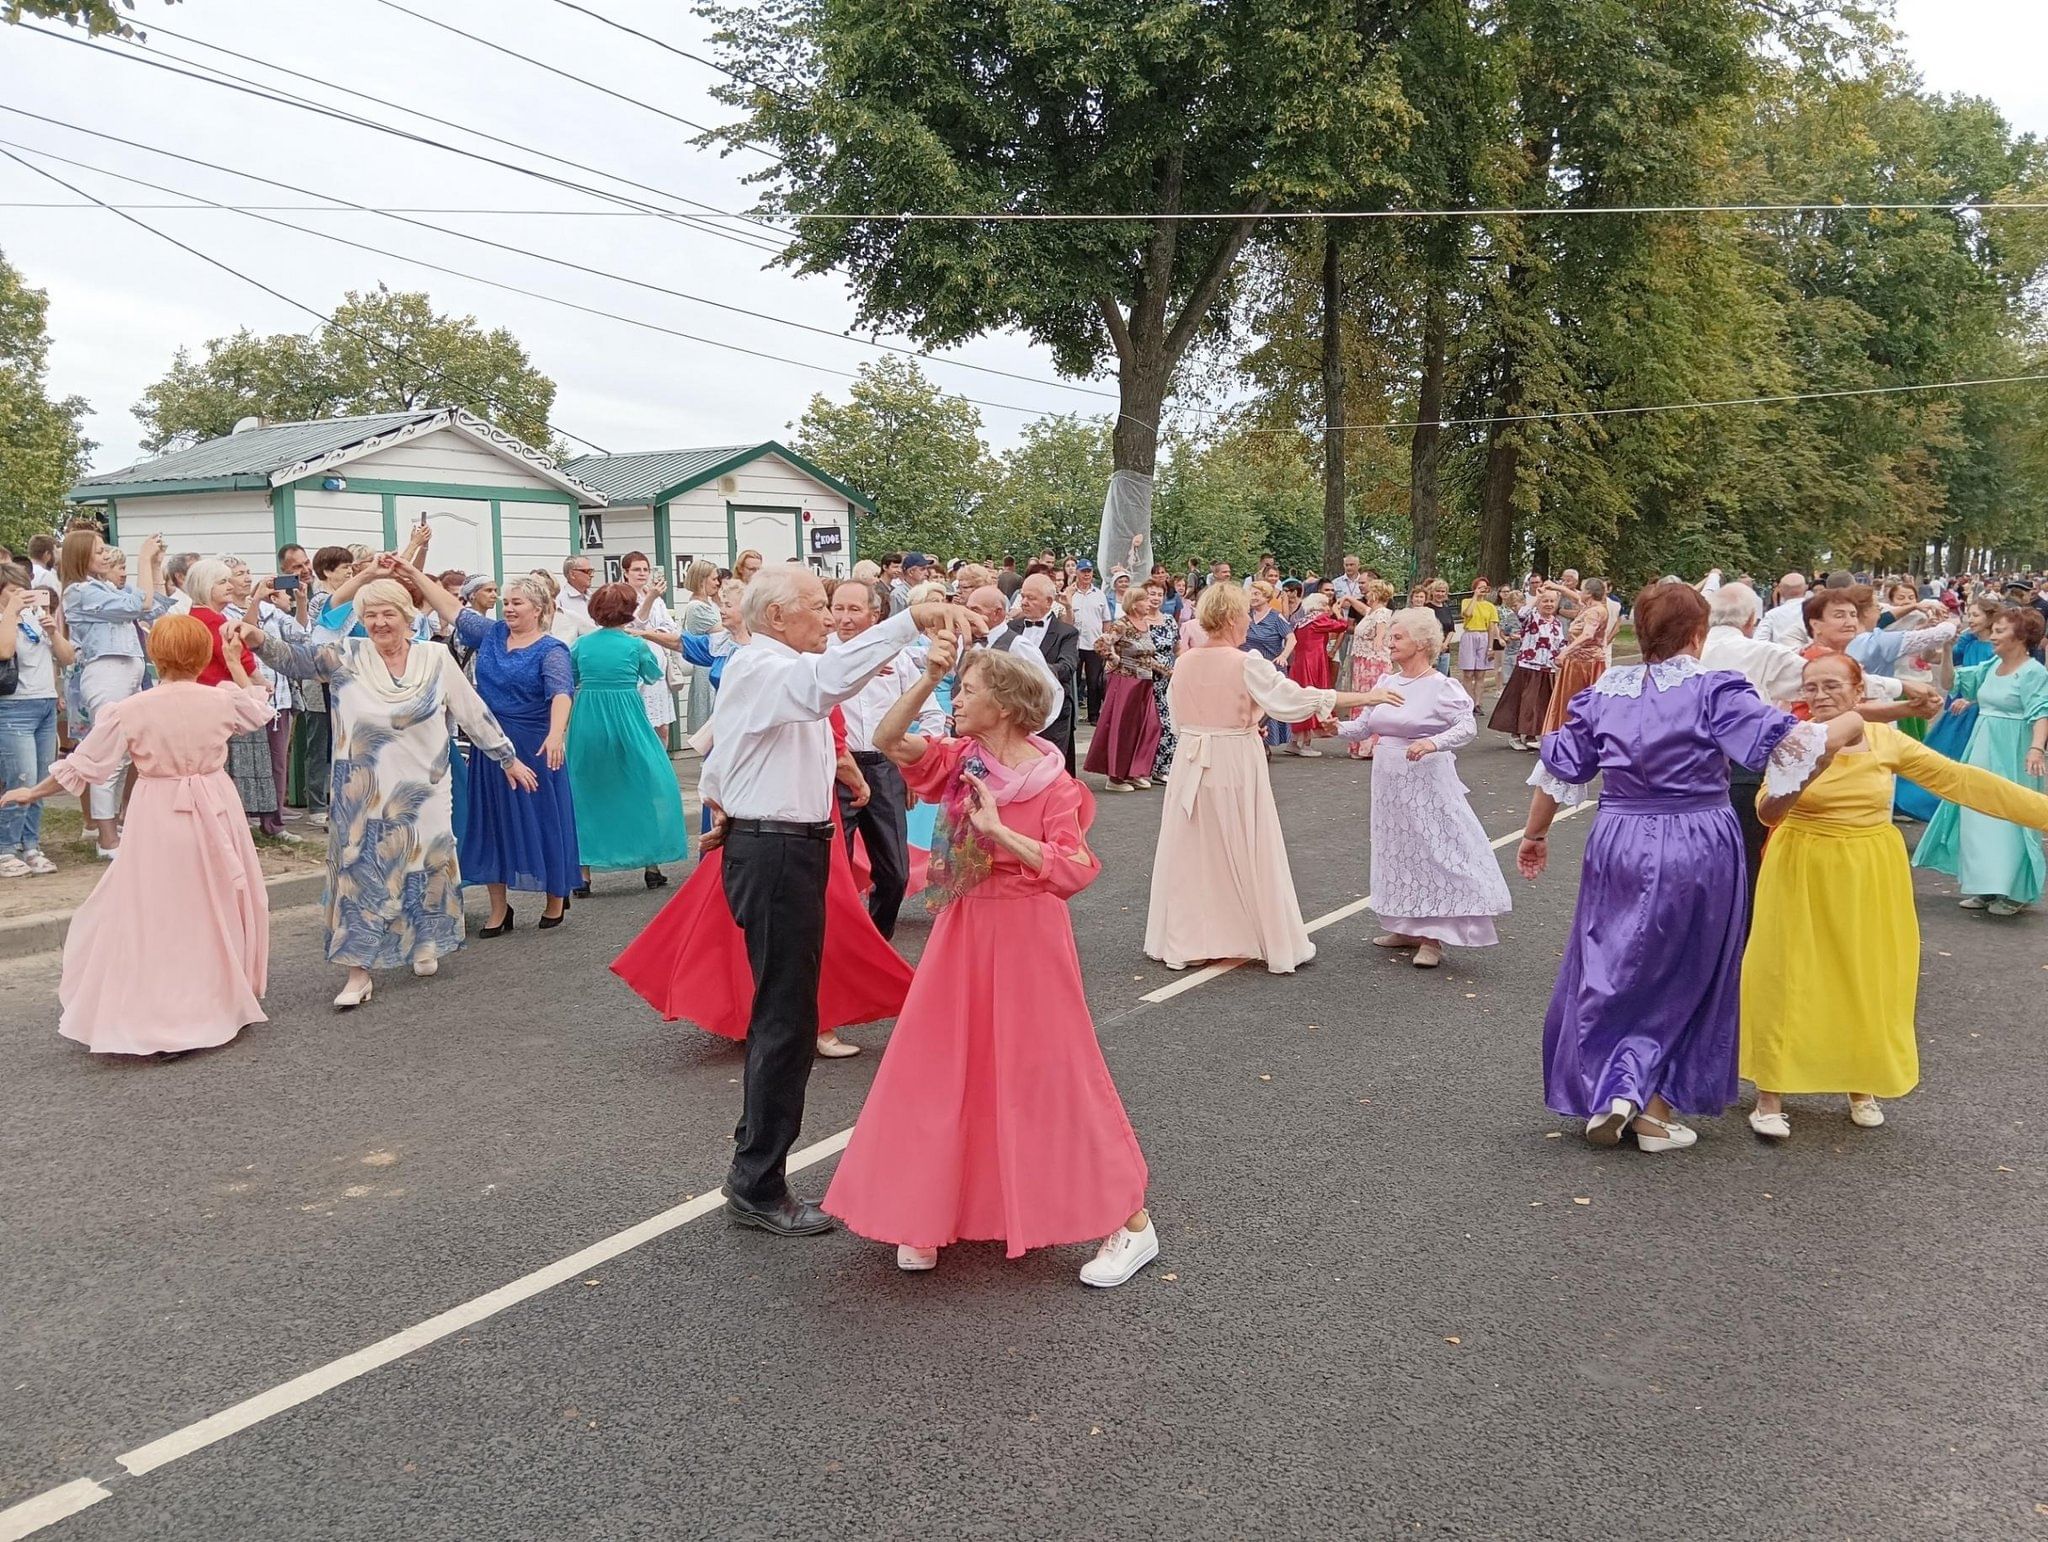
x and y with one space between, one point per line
1113 319
1211 282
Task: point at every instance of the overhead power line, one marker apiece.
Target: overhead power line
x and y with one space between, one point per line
648 37
348 205
388 350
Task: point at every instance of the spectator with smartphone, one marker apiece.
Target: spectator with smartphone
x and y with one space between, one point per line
32 639
105 620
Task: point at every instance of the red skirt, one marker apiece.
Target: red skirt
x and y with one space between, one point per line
691 961
1127 738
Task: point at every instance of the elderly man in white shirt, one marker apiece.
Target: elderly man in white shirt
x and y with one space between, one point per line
1088 609
883 821
579 579
769 777
991 609
1785 622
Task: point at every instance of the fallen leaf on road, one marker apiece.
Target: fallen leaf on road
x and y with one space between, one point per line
1577 1201
1169 1276
1555 1135
1471 995
1535 1204
2005 1169
1263 1077
593 1282
1095 1429
1449 1340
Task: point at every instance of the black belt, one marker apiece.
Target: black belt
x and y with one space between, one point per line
820 831
870 757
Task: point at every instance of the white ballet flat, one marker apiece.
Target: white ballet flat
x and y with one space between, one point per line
1606 1129
1865 1112
1676 1137
832 1047
355 995
1770 1126
1429 955
916 1260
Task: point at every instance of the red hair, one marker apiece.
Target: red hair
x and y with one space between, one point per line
1669 618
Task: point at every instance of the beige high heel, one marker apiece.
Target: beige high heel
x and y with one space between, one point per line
355 995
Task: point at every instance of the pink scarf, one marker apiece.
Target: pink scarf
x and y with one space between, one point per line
960 858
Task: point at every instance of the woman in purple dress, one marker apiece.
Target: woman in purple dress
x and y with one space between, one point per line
1642 1023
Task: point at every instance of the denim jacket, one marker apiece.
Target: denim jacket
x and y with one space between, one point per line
106 622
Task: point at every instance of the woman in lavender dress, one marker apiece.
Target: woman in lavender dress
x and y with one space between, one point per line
1642 1023
1435 879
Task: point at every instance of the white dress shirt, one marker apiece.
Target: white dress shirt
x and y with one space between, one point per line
1785 624
1090 608
865 709
1029 645
771 756
1774 669
574 603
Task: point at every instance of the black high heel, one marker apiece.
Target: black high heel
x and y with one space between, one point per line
655 878
582 891
549 923
501 928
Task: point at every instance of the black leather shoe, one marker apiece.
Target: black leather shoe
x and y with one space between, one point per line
788 1217
582 891
655 878
500 929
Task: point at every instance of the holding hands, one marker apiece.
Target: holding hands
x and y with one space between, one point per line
945 653
936 618
1420 748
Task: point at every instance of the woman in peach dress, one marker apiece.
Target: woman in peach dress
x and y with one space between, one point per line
1221 886
170 952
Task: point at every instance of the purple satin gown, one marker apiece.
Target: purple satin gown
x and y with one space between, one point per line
1646 999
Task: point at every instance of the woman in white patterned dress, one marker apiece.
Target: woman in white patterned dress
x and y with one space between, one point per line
1435 879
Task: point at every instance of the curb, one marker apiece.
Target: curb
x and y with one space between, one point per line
30 935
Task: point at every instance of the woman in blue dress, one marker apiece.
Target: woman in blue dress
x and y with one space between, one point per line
512 840
1271 636
1950 733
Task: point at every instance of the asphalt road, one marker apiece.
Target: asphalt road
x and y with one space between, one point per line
1397 1297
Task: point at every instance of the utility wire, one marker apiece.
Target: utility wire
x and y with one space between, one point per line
347 205
542 64
8 146
277 294
681 53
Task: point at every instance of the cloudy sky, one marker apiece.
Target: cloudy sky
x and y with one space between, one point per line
122 299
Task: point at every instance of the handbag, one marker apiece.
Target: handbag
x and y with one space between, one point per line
674 670
10 675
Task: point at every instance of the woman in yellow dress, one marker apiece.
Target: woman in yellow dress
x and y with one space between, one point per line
1478 636
1835 920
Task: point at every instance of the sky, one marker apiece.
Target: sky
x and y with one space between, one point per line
122 300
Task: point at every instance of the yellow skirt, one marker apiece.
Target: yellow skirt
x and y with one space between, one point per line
1830 982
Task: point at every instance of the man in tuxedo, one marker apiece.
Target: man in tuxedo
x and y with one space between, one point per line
1037 629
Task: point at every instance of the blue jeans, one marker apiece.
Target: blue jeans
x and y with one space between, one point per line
28 743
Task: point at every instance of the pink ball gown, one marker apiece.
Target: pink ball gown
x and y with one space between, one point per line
993 1117
171 951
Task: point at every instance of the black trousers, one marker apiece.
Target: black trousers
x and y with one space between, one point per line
1742 789
884 826
1061 735
1091 682
775 886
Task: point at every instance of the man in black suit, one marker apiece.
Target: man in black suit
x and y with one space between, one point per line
1055 641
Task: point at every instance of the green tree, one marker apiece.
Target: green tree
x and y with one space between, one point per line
915 450
96 16
1047 492
384 351
1093 106
42 445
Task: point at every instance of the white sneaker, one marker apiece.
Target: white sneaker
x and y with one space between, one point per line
1973 902
2004 907
1605 1129
832 1047
317 819
1865 1112
105 855
1122 1254
916 1260
1770 1126
12 866
289 838
1113 785
37 863
1676 1137
1309 752
1144 784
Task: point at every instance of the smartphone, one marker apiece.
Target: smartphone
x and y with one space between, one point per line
39 601
286 583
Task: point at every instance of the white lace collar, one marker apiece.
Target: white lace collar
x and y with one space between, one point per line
1627 679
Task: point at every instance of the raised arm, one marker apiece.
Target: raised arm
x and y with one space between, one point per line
298 660
892 735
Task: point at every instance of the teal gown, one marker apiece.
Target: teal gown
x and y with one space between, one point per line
1993 857
629 811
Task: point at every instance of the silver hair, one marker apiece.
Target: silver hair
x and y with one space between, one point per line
1734 605
1423 626
202 576
384 591
777 585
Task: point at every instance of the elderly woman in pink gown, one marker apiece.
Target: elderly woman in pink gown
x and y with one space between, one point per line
186 899
1221 884
1435 880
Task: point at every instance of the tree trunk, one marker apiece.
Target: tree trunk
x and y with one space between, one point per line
1497 498
1425 449
1141 393
1333 403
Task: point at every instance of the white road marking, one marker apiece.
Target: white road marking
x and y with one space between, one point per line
1222 967
46 1509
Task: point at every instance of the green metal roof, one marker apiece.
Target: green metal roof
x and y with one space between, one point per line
254 453
655 476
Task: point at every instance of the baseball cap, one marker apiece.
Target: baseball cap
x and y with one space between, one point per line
1084 566
916 559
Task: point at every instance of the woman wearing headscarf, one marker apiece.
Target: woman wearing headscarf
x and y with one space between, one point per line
394 891
1835 919
512 840
187 894
993 1117
1642 1021
1221 884
106 622
629 810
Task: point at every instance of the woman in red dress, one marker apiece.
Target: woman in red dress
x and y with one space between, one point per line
1316 635
993 1117
691 960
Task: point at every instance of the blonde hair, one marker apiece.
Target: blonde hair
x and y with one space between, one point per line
741 561
74 557
384 591
541 595
1264 590
202 576
931 589
1378 592
1423 626
696 575
1220 607
1020 693
866 571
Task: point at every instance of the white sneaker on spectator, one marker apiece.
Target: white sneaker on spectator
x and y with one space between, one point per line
12 866
288 838
1865 1112
1122 1254
37 862
2004 907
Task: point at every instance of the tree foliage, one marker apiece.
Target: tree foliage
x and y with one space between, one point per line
97 16
384 351
42 445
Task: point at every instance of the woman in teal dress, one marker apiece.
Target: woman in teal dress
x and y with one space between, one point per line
629 811
1999 865
1950 733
